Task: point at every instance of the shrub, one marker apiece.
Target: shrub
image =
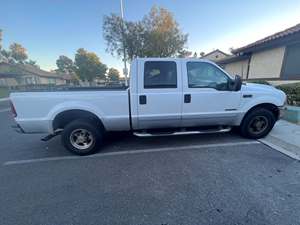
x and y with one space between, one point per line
4 92
259 82
293 93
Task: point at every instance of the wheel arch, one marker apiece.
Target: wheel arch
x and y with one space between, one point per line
269 106
63 118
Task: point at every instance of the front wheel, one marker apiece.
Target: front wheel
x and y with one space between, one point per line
257 123
82 137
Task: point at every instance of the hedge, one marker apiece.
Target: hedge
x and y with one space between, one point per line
293 93
4 92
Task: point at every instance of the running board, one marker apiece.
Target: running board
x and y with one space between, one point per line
162 134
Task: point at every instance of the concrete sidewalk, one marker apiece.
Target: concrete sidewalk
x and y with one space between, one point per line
285 137
4 99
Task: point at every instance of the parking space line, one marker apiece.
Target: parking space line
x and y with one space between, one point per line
4 110
137 151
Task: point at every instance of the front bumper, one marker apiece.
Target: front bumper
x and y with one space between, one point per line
282 110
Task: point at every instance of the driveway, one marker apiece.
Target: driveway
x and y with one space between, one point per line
199 179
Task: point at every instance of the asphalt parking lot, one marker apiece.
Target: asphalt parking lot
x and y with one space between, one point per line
198 179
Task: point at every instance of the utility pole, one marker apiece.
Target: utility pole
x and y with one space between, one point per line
125 71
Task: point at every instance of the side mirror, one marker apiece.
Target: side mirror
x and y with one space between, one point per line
237 84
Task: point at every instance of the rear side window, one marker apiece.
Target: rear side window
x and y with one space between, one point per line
160 74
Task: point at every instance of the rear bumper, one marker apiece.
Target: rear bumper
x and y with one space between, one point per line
17 128
30 126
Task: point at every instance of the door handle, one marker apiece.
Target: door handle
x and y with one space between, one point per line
187 98
143 99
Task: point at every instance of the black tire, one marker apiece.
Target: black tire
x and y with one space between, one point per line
261 116
90 134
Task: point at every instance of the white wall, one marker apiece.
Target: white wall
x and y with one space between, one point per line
7 82
237 68
48 80
266 64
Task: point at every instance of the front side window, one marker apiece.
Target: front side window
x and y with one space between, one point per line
206 75
160 74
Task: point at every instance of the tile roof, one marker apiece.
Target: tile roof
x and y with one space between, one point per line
232 58
217 50
268 39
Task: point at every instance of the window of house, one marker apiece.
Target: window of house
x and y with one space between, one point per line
29 80
160 74
291 67
206 75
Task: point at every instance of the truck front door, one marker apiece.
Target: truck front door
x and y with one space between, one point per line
207 97
159 94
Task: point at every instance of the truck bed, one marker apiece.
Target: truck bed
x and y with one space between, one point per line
37 109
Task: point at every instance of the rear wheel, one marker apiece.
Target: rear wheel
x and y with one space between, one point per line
82 137
257 123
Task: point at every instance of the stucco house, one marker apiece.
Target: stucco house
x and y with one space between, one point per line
12 74
215 55
275 58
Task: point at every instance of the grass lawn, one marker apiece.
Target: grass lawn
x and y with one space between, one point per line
4 92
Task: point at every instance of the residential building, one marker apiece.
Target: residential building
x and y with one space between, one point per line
274 58
215 55
12 74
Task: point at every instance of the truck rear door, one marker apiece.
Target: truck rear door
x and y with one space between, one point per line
159 94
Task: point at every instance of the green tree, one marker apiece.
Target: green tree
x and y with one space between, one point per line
18 52
163 35
5 53
88 65
113 74
65 65
32 63
156 35
184 54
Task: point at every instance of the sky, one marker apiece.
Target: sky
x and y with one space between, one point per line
49 28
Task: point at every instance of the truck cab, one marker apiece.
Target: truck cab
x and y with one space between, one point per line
191 93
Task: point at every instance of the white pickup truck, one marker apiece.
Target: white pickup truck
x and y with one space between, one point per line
165 96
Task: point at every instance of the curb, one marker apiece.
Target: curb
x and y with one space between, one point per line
280 149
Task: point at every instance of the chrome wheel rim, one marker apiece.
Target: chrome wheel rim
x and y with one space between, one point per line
258 124
81 139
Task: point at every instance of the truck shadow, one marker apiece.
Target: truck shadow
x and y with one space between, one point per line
124 141
127 141
24 146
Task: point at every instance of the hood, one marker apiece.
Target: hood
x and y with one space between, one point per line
258 87
263 90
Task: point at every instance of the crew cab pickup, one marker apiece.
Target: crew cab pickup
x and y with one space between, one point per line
165 96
